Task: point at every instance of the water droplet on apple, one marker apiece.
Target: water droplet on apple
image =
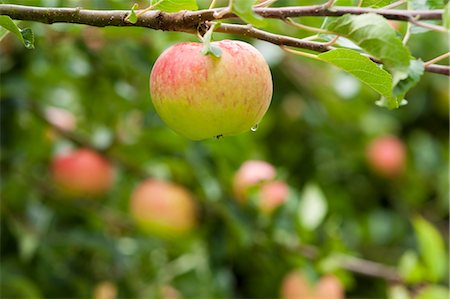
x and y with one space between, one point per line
254 128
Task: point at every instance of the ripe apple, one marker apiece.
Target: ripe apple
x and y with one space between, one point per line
163 209
201 96
296 286
329 287
387 156
272 195
252 173
82 172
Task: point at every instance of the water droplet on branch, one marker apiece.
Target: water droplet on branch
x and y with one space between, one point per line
254 128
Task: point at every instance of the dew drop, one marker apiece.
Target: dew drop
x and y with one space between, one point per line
254 128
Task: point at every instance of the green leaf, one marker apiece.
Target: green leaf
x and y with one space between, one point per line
398 292
376 3
209 48
433 292
25 35
312 207
362 68
446 16
432 249
425 4
415 72
373 34
174 5
410 267
244 9
132 17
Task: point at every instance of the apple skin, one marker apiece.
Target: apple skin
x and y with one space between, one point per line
202 96
82 172
252 173
163 209
329 287
272 195
296 286
386 155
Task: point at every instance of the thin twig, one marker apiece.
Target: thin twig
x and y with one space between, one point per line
439 58
428 26
299 53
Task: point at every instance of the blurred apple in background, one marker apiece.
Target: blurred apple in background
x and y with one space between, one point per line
105 290
272 195
163 209
251 174
386 155
296 286
82 172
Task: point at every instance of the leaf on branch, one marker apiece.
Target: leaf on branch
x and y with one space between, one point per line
373 34
415 72
362 68
174 5
25 35
313 207
132 17
244 10
432 249
424 5
376 3
209 48
446 16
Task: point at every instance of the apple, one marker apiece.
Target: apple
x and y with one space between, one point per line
329 287
163 209
296 286
82 172
386 155
202 96
252 173
272 195
105 290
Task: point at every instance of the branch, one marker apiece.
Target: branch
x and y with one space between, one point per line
189 21
351 263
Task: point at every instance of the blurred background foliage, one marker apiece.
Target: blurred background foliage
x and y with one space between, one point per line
315 133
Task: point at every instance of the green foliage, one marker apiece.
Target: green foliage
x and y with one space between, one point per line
362 68
432 249
174 5
312 207
208 48
244 9
446 16
316 130
372 33
376 3
25 35
133 17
